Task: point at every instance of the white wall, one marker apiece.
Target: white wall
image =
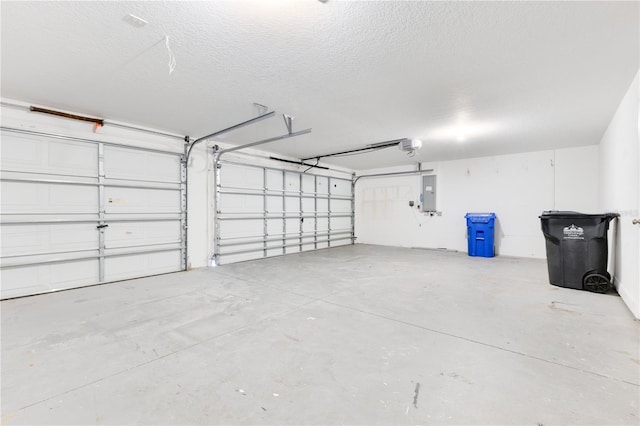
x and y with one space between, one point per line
619 192
199 206
516 187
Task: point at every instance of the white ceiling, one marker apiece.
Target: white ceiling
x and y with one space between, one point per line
514 76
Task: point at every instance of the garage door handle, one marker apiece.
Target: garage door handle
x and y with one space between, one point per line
102 226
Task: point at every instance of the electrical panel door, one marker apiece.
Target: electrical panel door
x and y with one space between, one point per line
429 193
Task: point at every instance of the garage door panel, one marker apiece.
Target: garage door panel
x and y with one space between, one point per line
274 180
341 223
274 227
340 242
322 205
242 257
308 205
293 249
241 203
233 176
322 185
130 234
292 226
134 266
322 224
137 250
292 182
292 205
270 252
33 197
254 247
23 153
18 197
136 165
72 198
73 159
308 243
341 187
341 206
242 228
20 281
274 204
35 154
21 240
136 200
275 243
308 184
308 225
62 277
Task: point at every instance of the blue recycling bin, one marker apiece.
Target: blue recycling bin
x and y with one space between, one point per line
480 232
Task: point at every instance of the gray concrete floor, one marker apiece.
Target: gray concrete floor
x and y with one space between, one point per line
351 335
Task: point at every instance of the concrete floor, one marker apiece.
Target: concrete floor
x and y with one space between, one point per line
352 335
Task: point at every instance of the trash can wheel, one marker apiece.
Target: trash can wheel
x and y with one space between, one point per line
596 283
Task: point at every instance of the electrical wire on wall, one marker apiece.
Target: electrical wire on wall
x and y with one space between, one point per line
416 215
172 58
139 22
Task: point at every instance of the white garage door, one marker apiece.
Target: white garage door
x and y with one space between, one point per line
265 211
77 212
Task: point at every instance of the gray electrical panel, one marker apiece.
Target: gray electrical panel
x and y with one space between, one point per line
429 193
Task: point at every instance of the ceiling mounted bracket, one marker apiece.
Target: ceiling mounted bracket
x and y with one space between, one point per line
288 121
261 108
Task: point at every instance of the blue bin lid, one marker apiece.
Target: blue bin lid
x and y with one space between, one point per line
480 217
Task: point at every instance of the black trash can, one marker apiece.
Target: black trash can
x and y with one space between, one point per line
577 250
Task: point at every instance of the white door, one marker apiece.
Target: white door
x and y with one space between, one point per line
637 213
77 213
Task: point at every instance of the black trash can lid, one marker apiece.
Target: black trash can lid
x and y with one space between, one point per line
558 214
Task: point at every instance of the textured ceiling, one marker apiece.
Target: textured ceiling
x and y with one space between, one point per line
504 77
